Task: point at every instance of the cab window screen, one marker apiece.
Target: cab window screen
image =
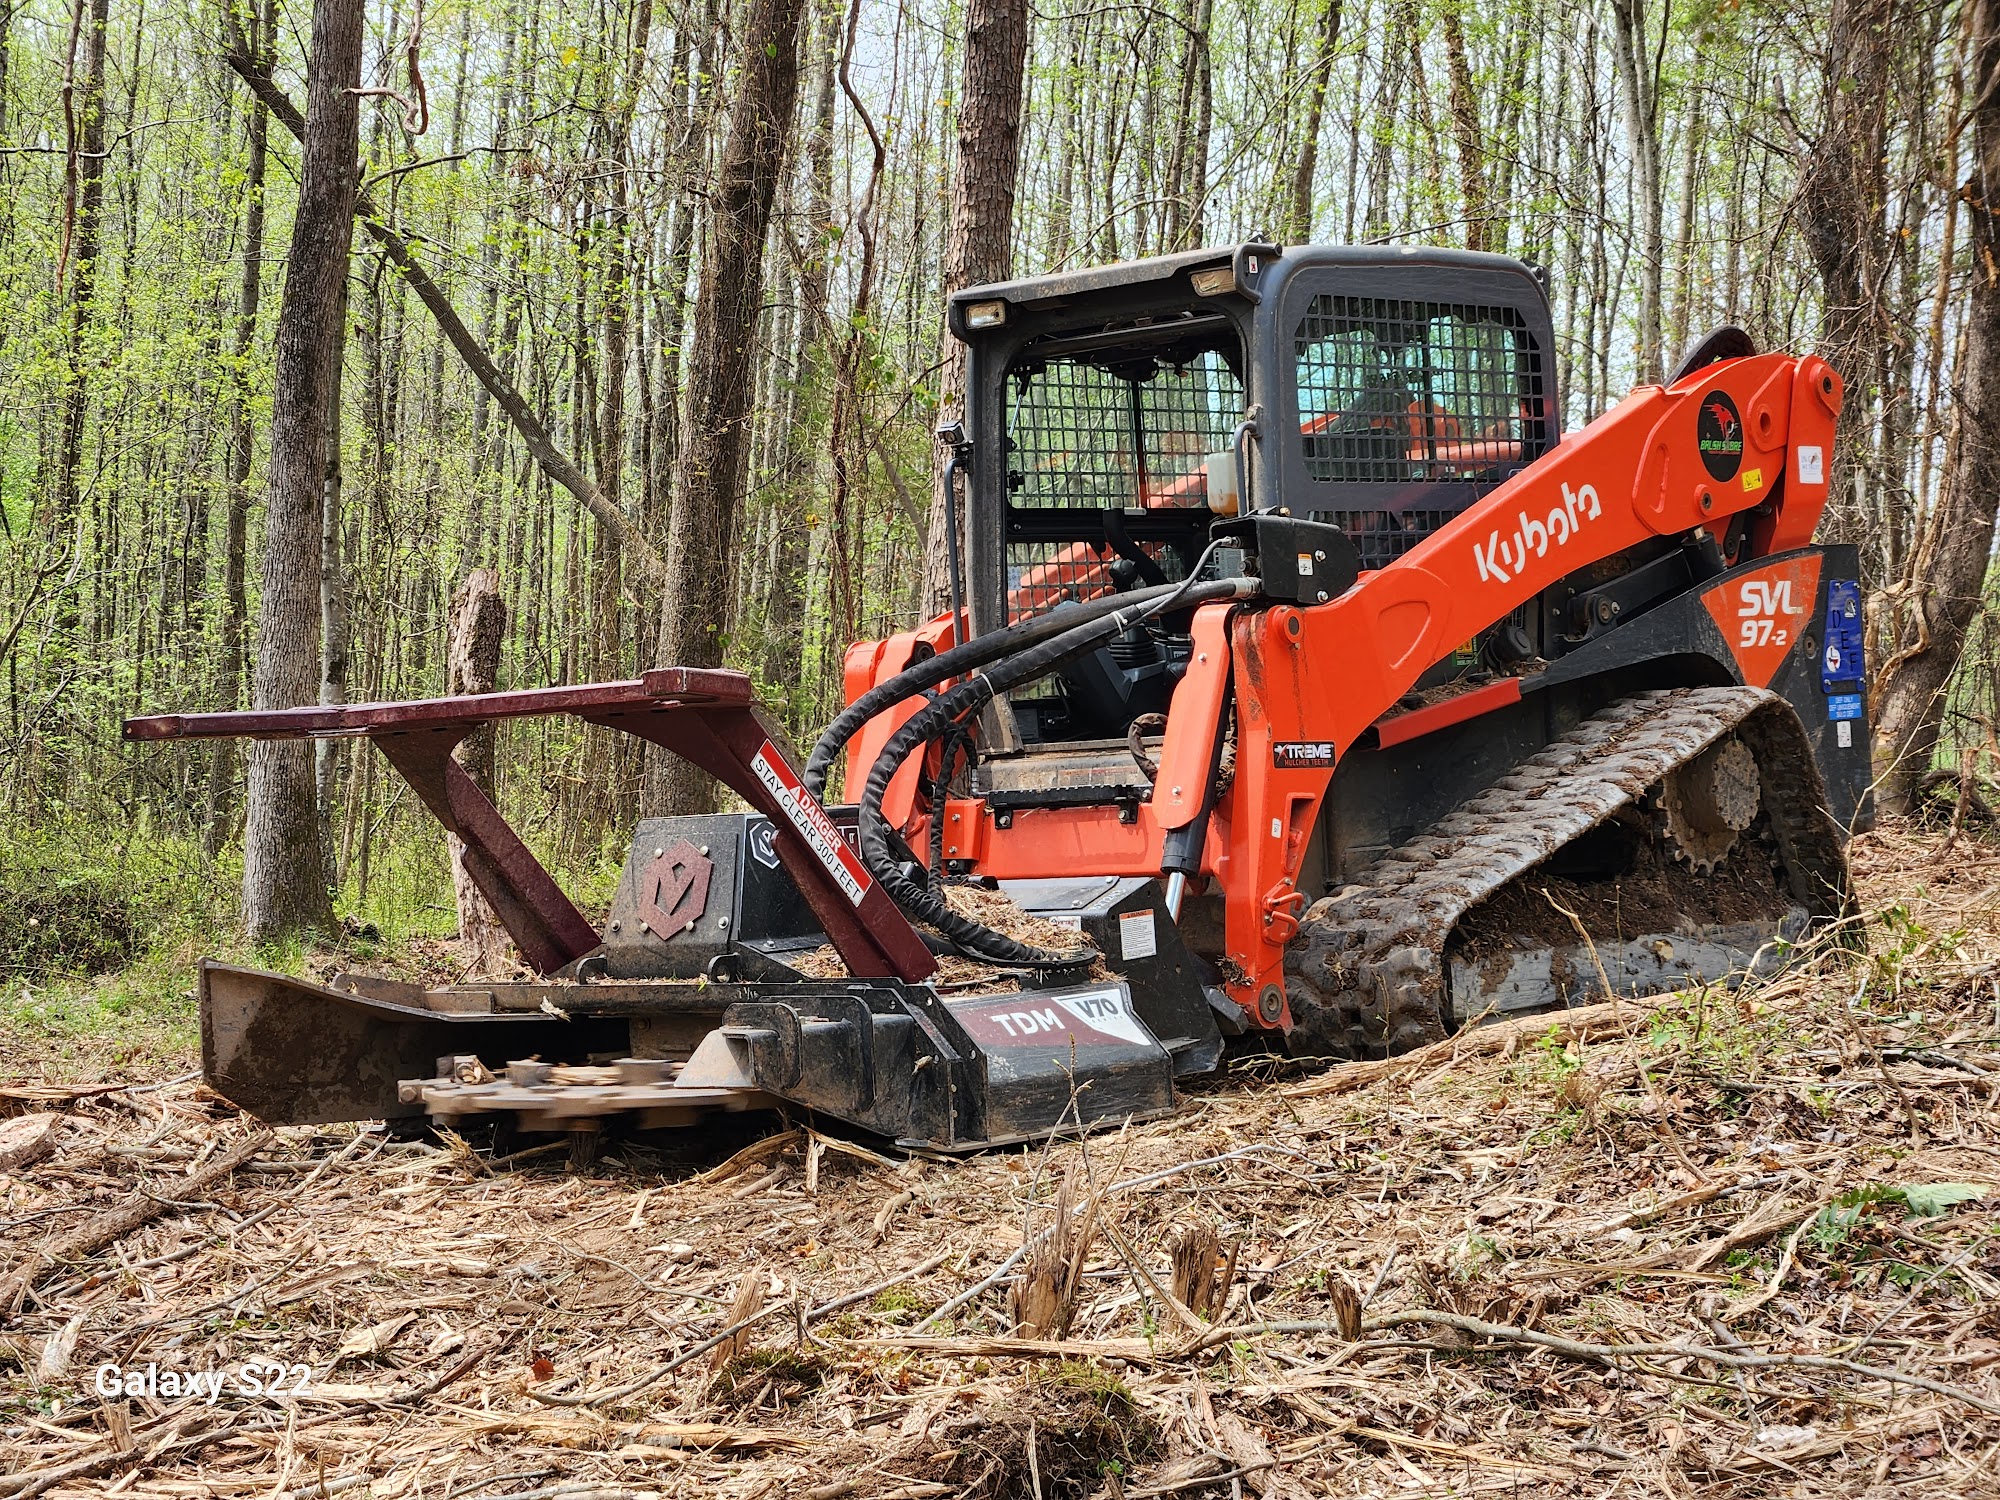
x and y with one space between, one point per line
1133 436
1398 392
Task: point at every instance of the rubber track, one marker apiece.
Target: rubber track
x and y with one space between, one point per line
1365 975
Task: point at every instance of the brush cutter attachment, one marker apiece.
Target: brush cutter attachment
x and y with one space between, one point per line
748 961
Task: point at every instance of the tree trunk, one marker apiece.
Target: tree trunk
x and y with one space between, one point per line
84 205
803 439
1638 72
242 442
1465 130
1952 556
1840 197
472 665
1298 228
284 875
979 248
709 470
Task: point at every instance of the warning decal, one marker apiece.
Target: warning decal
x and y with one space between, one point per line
805 814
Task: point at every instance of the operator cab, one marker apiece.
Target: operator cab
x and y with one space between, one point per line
1116 414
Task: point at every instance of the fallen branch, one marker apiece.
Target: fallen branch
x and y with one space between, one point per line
554 462
138 1209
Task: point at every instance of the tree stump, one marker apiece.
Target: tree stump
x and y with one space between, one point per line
478 627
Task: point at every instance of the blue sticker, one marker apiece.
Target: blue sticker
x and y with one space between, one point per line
1843 706
1840 658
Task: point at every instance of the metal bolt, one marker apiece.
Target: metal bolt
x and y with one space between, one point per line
1177 791
1319 557
1322 596
723 923
1707 501
659 854
704 849
617 927
1203 658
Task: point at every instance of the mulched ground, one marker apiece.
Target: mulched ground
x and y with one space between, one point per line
1713 1245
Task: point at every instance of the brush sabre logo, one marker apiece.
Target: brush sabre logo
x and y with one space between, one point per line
1718 434
1500 559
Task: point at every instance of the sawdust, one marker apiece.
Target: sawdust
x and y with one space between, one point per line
1725 1189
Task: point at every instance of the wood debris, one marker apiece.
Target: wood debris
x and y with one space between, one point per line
1726 1264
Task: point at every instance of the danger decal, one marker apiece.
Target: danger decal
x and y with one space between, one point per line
1762 614
805 814
1500 558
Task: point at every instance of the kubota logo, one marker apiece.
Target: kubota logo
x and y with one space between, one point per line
1502 558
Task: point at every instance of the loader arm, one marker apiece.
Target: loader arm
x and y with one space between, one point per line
1308 680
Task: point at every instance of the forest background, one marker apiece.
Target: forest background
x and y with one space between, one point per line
559 176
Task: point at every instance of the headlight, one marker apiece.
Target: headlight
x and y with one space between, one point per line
985 314
1215 283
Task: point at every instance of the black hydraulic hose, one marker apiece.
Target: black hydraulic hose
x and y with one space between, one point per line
877 850
956 662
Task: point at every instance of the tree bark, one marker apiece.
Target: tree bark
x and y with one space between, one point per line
472 665
979 247
284 875
224 754
1465 130
709 469
1298 227
84 205
1638 72
1952 555
1841 198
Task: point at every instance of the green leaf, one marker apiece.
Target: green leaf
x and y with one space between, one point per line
1925 1199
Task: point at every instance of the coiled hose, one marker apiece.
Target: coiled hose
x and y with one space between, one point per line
957 662
878 839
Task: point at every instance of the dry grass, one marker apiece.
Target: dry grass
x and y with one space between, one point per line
1431 1262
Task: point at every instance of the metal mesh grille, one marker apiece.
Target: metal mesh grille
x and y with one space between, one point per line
1382 536
1082 435
1041 575
1404 392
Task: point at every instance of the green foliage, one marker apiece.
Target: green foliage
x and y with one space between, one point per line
1835 1224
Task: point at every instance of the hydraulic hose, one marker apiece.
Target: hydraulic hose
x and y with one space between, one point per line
958 661
876 836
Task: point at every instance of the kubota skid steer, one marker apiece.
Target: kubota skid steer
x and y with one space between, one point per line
1299 665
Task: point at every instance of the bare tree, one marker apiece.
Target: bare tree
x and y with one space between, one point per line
284 874
83 212
1639 79
1956 545
1841 206
709 470
980 246
478 631
1298 224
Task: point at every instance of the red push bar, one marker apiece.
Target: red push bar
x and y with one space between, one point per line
705 716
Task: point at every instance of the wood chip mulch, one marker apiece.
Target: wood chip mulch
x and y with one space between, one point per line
1700 1245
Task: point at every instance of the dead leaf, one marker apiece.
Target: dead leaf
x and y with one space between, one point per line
373 1339
54 1363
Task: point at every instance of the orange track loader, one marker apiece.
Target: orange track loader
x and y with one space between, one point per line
1305 683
